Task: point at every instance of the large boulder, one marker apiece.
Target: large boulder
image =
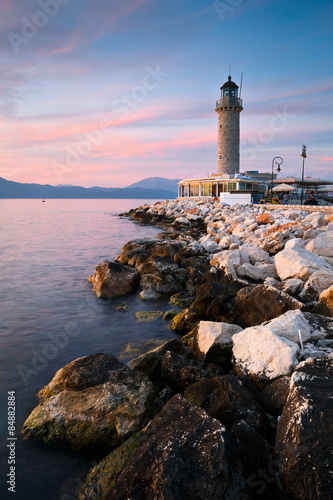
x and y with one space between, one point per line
304 440
322 245
259 272
112 279
93 402
210 333
256 254
234 257
258 303
263 355
183 453
289 324
299 263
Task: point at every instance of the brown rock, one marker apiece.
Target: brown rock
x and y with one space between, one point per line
258 303
112 279
325 303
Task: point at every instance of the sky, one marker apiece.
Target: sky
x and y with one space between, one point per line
109 92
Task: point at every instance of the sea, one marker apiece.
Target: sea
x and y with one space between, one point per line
49 316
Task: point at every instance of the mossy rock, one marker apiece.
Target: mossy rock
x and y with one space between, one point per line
185 321
102 478
182 300
148 316
170 314
188 339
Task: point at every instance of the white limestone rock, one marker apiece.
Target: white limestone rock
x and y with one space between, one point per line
288 324
264 355
322 245
234 257
258 272
256 254
292 286
211 332
295 242
183 220
299 263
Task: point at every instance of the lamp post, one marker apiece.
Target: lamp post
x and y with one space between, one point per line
278 160
303 155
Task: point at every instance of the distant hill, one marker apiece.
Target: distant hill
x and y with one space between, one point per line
157 183
11 189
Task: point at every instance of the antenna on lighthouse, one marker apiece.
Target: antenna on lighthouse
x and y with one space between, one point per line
229 69
241 83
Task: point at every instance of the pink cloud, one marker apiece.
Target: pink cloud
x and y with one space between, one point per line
325 159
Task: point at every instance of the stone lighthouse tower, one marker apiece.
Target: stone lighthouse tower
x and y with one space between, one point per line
228 109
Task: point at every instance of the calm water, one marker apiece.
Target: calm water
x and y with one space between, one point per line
50 316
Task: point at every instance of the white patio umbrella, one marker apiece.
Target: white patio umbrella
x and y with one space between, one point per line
283 187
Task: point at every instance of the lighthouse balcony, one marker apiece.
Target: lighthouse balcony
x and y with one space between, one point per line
229 101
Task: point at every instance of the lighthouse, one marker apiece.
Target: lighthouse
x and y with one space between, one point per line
228 109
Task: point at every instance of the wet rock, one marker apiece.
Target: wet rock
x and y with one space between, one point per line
93 402
182 299
148 316
299 263
304 440
185 454
209 333
262 355
170 314
258 303
150 363
103 476
185 321
112 279
149 295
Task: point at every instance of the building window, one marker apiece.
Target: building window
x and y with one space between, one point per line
195 189
220 157
207 189
220 127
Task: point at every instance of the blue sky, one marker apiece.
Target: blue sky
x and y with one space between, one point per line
109 92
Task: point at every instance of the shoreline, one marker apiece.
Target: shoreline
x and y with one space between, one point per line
226 266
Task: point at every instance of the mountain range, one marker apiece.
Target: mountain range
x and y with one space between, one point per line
150 188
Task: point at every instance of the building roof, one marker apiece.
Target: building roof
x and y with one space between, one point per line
229 83
307 181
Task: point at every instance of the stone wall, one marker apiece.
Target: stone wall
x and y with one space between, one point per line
228 141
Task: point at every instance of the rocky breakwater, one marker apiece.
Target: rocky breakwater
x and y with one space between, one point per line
240 407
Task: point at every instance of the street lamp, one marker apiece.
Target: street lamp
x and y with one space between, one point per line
278 160
303 155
